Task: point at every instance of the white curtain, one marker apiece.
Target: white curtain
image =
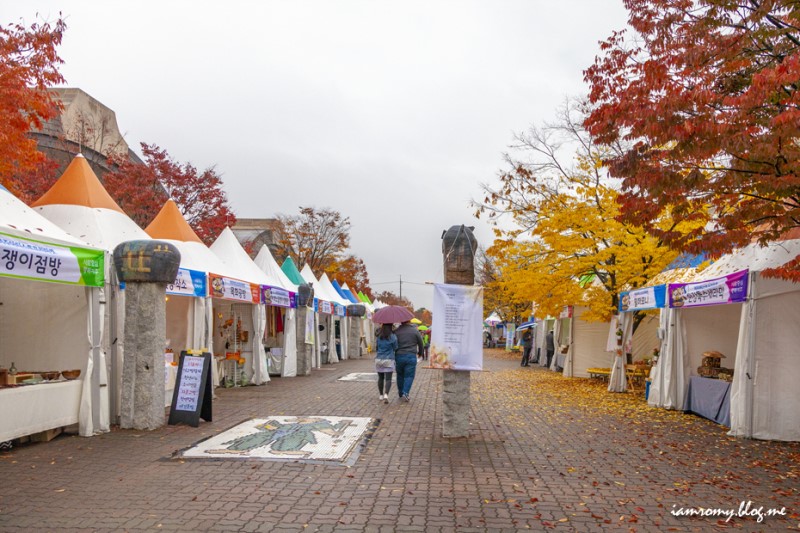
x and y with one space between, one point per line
332 357
676 364
260 371
290 343
657 372
90 419
618 381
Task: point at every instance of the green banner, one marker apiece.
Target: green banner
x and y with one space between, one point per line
43 261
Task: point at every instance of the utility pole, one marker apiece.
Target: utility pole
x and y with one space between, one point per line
401 286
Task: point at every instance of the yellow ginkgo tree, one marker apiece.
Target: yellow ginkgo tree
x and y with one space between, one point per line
564 243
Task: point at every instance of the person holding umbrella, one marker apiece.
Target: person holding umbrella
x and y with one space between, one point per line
384 361
409 345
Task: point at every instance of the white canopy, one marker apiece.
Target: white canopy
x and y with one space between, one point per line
49 326
287 359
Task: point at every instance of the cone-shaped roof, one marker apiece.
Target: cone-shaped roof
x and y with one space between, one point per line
233 256
290 269
170 224
78 185
267 263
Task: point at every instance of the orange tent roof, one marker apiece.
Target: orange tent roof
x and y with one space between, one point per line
170 224
78 185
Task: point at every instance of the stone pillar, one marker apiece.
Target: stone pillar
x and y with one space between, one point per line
305 352
146 267
303 349
354 314
458 248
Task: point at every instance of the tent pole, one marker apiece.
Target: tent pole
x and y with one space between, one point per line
751 356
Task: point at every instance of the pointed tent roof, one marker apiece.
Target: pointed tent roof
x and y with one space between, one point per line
290 269
349 294
170 224
329 288
19 220
267 263
493 319
338 289
78 185
364 298
309 277
233 256
79 204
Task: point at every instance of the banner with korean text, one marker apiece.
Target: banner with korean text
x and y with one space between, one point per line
189 283
456 341
234 289
725 290
641 299
277 296
41 261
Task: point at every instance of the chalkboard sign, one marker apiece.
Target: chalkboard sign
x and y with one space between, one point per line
191 399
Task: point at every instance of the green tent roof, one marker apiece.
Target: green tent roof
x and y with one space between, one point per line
290 269
363 297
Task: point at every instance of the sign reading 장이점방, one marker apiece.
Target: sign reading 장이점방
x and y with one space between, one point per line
191 399
35 260
456 342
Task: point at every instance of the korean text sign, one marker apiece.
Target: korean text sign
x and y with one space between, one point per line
456 342
725 290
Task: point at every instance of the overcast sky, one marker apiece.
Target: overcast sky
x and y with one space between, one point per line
392 113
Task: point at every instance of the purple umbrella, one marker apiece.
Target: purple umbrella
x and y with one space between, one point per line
392 314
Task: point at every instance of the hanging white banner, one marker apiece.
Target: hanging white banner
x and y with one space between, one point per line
456 341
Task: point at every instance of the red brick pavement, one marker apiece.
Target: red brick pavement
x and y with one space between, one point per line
530 462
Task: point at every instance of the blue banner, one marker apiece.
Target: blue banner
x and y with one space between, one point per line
641 299
189 283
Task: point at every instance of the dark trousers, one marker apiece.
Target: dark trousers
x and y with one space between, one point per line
549 357
526 355
384 382
406 365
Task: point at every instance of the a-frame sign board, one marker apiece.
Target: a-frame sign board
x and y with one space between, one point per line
191 399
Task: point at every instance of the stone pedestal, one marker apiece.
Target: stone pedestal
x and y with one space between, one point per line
455 403
458 249
146 267
353 337
143 397
304 351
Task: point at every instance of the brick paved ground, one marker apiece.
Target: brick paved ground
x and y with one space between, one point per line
532 461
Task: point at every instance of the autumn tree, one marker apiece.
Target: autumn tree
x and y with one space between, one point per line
390 298
706 96
563 226
29 64
423 315
314 237
141 191
498 295
351 270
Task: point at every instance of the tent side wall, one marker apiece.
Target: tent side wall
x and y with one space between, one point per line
589 341
776 404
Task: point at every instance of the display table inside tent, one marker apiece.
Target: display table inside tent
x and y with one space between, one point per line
30 409
709 398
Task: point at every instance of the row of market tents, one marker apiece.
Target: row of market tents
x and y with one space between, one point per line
730 307
62 308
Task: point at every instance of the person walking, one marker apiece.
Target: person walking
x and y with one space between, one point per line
409 347
551 347
527 344
385 361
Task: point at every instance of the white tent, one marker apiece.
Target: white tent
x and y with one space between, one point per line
50 284
250 314
79 204
325 338
339 313
190 320
758 337
584 342
283 358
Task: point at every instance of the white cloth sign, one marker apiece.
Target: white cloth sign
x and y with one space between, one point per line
456 342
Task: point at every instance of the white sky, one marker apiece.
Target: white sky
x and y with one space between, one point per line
392 113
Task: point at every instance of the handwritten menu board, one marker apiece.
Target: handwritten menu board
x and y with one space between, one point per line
191 399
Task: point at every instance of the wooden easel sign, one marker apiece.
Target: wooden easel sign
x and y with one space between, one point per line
191 399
